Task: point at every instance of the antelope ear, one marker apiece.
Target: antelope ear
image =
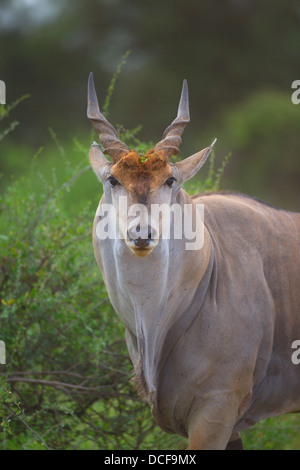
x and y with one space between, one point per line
98 161
187 168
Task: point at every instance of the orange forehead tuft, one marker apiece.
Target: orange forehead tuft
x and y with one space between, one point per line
149 170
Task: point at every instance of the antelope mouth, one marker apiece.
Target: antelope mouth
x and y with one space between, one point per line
141 247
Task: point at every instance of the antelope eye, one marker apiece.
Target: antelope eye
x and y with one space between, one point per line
170 181
113 181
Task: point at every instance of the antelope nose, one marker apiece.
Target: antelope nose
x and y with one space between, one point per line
142 243
139 239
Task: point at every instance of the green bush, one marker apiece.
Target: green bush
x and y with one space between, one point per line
263 134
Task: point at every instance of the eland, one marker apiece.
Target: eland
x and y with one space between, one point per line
209 330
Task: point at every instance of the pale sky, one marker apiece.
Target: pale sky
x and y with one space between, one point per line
27 13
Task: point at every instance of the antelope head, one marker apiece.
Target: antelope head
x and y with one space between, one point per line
142 179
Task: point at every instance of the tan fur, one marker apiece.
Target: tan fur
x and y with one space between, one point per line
142 174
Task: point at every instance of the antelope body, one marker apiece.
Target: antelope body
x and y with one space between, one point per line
209 331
